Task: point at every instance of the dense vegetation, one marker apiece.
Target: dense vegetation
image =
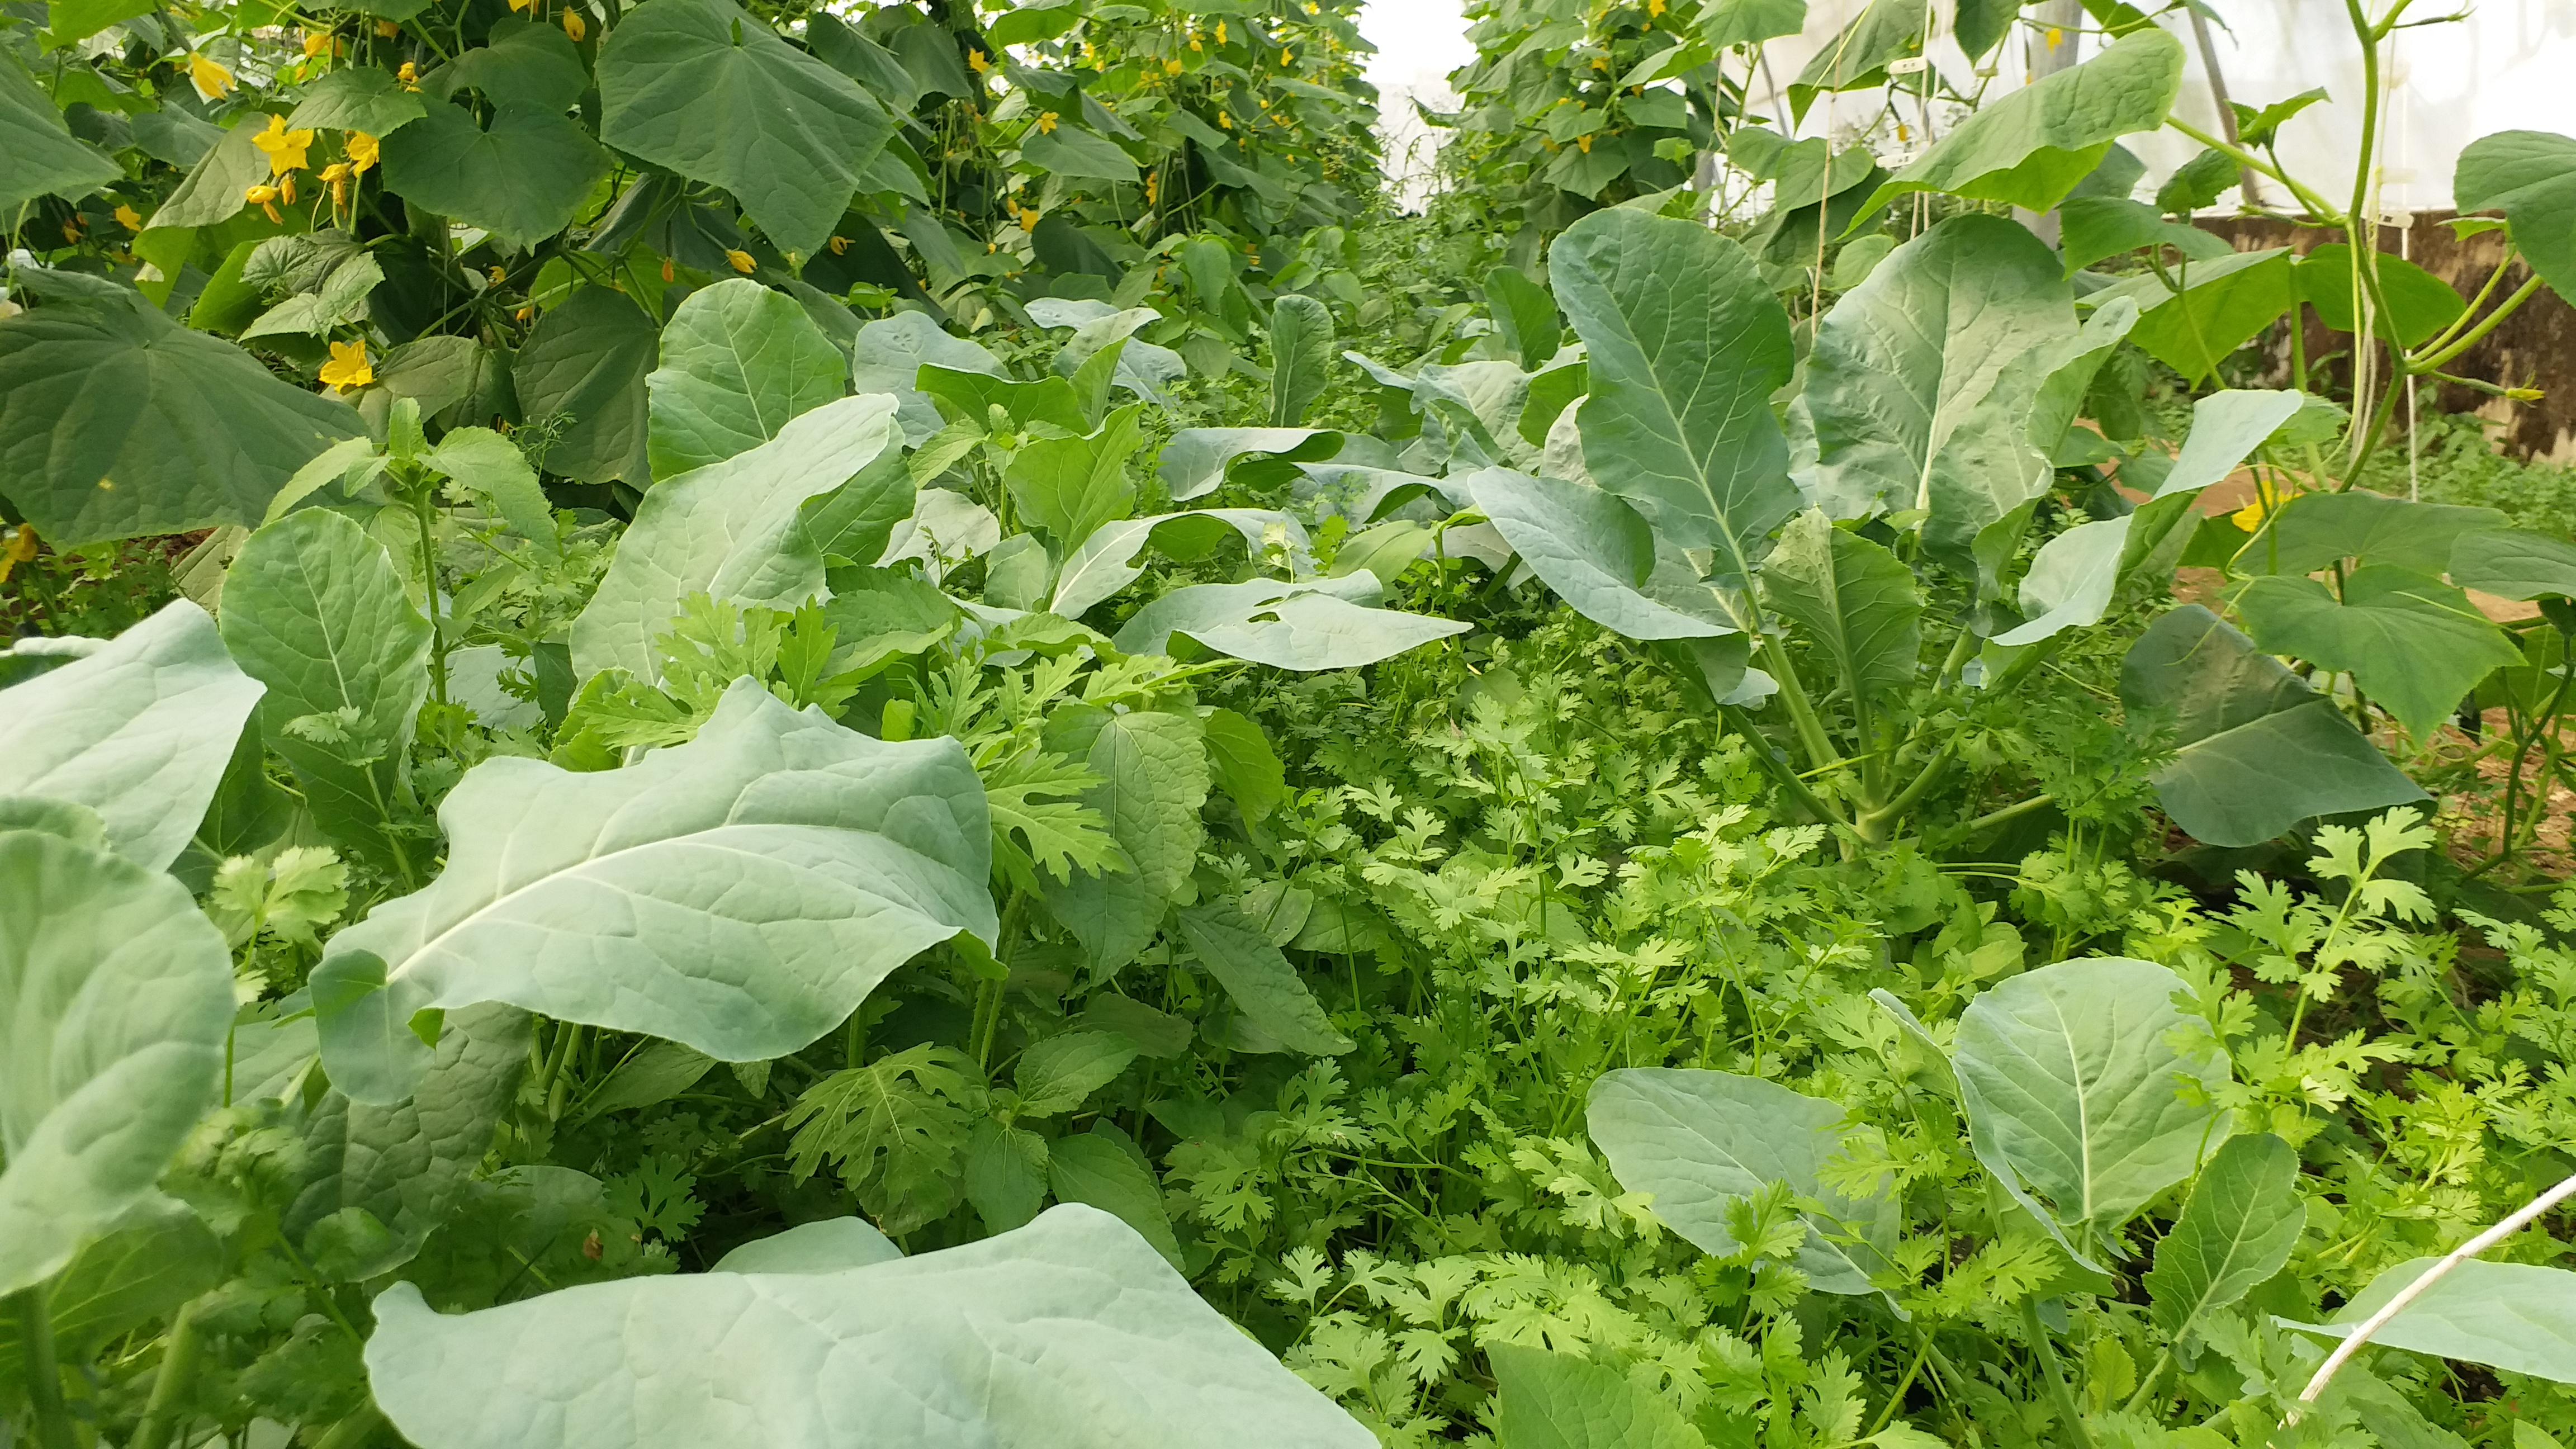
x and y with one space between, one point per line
888 726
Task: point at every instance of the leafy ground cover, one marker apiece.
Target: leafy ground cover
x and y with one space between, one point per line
942 748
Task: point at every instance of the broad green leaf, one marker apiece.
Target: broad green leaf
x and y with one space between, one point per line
118 993
522 177
731 531
2530 176
1324 624
2419 303
1750 22
2074 1089
1857 57
1902 363
738 361
1242 764
315 610
2031 146
523 62
116 421
1196 460
1687 344
406 1164
2514 1316
651 1076
852 523
1071 151
38 156
2091 228
2315 531
357 98
2236 1230
889 356
1060 1073
138 730
584 364
1153 781
880 614
1525 317
340 301
708 91
1301 357
829 1246
2413 644
1557 1401
2221 304
1103 1169
2514 563
740 894
1595 551
1850 598
1259 980
490 464
156 1257
212 189
1006 1175
1701 1141
1069 487
2258 751
1106 561
1069 1332
2074 575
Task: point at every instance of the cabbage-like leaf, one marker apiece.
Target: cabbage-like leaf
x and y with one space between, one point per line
1598 554
740 894
138 730
117 992
731 530
738 361
1070 1333
2514 1316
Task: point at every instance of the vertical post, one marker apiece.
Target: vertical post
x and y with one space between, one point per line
2050 46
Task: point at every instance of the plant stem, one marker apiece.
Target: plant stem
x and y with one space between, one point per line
429 592
179 1355
2058 1393
44 1375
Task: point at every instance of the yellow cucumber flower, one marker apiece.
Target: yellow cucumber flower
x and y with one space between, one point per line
362 152
128 218
212 80
573 26
741 260
348 367
1046 122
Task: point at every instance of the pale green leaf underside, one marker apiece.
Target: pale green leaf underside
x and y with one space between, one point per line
738 361
740 894
1070 1333
115 994
2513 1316
138 731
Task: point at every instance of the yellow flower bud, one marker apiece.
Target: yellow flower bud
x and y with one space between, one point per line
741 260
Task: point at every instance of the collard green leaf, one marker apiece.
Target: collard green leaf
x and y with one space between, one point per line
1069 487
890 353
2514 1316
1196 460
1902 363
2514 563
1069 1332
1686 346
1301 357
315 610
1593 549
2032 146
523 177
1998 457
357 98
1700 1141
1106 561
708 91
1851 598
38 156
738 361
406 1164
118 993
2074 1088
584 366
138 730
731 531
116 421
2530 176
2316 530
1557 1401
829 1246
739 894
2412 643
1312 629
2236 1230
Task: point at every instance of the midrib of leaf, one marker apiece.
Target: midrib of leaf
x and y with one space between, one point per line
2083 1108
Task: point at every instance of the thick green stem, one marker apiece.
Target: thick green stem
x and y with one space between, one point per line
180 1352
44 1375
2474 335
2058 1393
